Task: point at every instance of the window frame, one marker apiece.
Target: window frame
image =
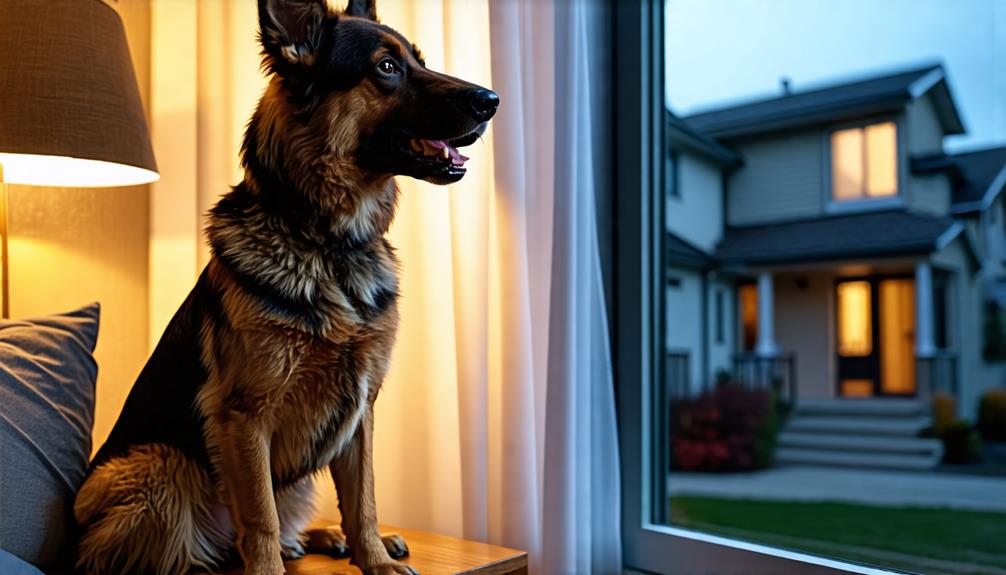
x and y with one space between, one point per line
864 204
638 315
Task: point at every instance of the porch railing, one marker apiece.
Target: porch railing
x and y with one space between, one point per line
777 373
937 374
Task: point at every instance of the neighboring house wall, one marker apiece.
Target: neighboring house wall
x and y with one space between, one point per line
721 351
696 213
923 136
964 324
684 319
780 180
929 193
804 327
991 238
684 324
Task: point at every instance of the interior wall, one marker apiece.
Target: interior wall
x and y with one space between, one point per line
69 247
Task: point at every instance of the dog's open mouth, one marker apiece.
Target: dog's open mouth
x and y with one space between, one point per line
441 157
437 150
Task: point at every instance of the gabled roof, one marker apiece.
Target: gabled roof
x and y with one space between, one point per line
838 102
977 177
868 235
679 252
984 176
680 135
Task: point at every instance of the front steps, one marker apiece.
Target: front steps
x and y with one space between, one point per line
877 433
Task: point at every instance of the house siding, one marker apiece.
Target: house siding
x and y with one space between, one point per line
721 352
695 215
923 136
683 310
781 179
965 323
804 320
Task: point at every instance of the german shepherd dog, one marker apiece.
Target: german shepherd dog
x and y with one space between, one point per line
269 371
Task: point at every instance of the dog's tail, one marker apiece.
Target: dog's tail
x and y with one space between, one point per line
152 511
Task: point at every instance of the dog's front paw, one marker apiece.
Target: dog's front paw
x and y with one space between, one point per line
327 540
394 568
395 545
292 550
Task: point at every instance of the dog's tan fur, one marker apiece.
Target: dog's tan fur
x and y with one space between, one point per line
293 323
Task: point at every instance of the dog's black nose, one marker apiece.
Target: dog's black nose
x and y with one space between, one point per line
484 103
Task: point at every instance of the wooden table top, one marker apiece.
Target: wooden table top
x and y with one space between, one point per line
430 554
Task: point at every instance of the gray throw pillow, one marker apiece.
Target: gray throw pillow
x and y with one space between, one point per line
47 378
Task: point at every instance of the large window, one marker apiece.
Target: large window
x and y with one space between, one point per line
864 162
808 437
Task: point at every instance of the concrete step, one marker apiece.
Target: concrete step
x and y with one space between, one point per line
856 459
861 443
859 425
862 407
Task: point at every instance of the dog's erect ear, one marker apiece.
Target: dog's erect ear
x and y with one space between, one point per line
362 9
291 29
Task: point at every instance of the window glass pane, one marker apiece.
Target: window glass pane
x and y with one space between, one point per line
814 416
897 336
719 316
882 160
847 164
855 325
671 175
748 296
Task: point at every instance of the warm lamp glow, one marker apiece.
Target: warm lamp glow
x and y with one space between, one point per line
855 328
65 172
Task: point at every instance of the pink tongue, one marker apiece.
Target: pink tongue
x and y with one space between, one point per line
457 158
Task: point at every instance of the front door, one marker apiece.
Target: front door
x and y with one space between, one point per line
875 337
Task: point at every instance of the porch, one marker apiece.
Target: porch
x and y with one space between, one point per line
849 331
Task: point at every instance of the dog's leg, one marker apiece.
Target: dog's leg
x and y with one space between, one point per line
353 471
247 480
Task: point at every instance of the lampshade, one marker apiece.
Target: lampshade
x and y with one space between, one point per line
70 109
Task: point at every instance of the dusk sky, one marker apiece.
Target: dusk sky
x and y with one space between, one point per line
729 51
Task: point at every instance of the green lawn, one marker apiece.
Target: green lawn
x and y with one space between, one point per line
913 539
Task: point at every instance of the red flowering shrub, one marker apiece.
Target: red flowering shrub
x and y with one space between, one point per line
731 428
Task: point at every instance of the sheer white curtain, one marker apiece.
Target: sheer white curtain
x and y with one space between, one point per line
497 419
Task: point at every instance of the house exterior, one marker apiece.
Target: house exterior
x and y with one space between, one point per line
826 240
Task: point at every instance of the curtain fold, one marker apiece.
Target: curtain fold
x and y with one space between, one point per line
496 421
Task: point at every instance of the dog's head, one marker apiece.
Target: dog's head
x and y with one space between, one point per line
365 91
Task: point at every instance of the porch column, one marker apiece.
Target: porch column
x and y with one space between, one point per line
924 346
766 346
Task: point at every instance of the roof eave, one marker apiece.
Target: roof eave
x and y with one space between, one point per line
705 146
822 115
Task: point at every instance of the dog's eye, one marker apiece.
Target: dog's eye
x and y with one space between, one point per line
388 67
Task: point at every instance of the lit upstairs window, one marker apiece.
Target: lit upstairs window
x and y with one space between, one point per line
864 162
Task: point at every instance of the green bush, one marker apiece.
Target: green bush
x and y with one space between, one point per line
961 443
992 415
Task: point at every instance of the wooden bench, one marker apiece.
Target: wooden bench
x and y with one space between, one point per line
430 554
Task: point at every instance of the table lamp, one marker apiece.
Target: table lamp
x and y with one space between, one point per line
70 109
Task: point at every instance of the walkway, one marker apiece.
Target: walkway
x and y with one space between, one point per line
864 486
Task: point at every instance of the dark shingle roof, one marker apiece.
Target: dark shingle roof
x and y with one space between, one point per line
681 135
971 174
681 253
978 170
834 103
863 235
